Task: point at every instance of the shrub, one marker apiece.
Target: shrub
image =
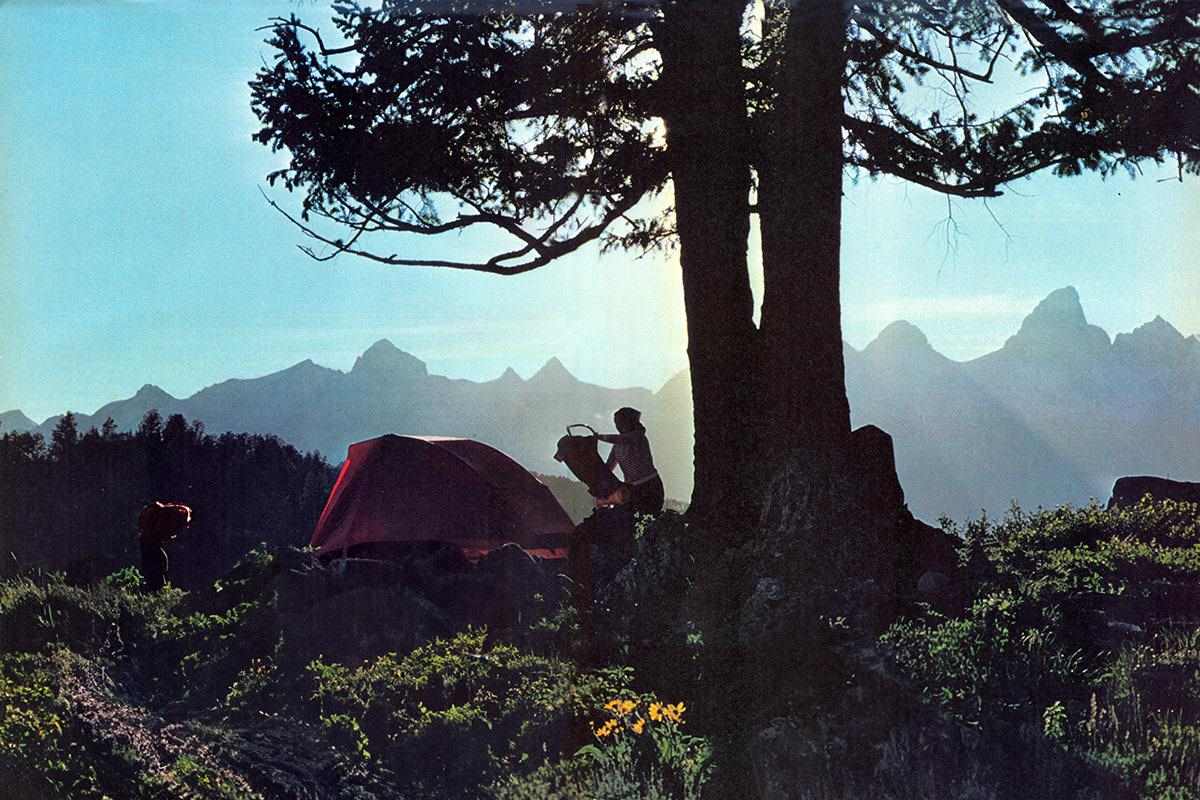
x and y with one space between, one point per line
1080 627
43 610
457 714
34 749
640 751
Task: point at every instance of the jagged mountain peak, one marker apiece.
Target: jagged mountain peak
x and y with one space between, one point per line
151 392
1159 329
1062 306
900 336
1156 340
509 376
382 345
1057 326
552 371
385 357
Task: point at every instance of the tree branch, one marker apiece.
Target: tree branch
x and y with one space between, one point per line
295 23
918 56
1048 38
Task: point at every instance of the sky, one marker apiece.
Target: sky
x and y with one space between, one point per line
136 247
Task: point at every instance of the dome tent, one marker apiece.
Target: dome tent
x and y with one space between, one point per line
408 489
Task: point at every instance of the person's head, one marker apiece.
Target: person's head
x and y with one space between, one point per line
628 420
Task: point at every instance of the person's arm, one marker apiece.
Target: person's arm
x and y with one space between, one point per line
617 438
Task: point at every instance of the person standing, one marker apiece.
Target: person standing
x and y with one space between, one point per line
631 452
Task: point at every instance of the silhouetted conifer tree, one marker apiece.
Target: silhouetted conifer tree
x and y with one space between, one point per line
553 122
64 438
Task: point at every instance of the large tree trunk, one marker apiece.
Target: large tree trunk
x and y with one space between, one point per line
704 106
800 200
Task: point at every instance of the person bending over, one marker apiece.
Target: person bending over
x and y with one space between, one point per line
631 452
159 523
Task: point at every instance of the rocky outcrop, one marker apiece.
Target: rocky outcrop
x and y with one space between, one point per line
838 530
833 560
1129 491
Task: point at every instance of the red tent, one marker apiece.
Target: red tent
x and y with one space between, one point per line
397 489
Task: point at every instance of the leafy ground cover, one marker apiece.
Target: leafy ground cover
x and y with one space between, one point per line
1080 628
241 691
1063 660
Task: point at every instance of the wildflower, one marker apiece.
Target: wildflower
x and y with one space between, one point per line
656 712
674 712
604 730
626 707
639 726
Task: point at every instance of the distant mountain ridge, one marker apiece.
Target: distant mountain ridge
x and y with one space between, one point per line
16 421
388 390
1055 415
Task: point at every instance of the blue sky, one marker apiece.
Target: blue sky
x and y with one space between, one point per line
135 246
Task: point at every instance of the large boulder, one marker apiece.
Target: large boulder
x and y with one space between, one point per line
516 588
364 622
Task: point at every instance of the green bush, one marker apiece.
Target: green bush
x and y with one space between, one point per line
640 751
107 690
1080 625
35 746
43 609
457 714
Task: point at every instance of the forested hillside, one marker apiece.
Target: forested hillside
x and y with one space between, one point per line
72 503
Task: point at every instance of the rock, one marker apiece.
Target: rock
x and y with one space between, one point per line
873 463
837 520
932 582
1129 491
295 558
787 762
924 548
363 623
819 579
760 620
1127 628
508 560
441 557
511 578
771 589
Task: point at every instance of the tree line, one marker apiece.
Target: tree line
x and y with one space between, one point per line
72 503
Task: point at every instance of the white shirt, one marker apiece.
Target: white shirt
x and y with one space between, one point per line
631 451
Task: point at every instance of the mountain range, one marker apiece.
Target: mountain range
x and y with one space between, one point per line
1054 416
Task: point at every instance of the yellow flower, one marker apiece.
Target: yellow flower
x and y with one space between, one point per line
674 712
604 730
656 712
639 726
620 707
